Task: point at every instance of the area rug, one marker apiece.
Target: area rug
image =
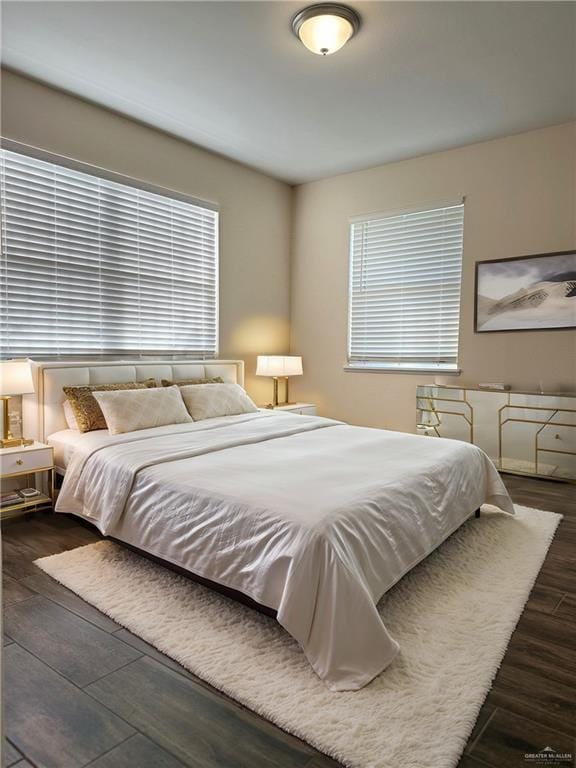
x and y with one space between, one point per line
453 616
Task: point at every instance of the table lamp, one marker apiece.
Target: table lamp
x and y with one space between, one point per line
15 379
279 366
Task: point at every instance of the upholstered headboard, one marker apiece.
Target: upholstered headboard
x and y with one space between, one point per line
42 412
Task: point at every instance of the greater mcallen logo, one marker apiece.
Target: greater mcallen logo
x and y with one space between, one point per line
548 756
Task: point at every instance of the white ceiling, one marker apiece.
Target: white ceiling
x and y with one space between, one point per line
230 76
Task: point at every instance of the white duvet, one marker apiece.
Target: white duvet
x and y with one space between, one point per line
311 517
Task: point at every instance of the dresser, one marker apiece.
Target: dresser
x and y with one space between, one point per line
525 433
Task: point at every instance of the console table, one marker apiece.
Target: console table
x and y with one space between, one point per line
528 433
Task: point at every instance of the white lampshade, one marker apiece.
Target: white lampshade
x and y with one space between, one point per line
279 365
16 378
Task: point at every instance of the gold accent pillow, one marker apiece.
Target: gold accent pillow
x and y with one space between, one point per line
88 413
186 382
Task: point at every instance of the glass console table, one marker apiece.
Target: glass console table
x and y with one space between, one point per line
524 433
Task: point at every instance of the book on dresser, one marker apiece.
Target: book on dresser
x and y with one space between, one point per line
9 498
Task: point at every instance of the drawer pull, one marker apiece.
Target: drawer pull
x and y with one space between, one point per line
19 462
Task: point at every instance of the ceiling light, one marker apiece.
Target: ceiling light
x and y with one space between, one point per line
324 28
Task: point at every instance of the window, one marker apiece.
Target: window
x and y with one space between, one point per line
91 266
405 290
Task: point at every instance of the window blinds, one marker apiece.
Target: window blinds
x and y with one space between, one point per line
95 267
405 272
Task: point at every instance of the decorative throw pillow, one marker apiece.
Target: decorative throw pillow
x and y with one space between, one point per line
69 415
129 411
206 401
88 414
186 382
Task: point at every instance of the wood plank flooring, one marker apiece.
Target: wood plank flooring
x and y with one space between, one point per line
81 691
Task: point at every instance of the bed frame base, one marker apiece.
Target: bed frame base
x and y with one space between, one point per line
233 594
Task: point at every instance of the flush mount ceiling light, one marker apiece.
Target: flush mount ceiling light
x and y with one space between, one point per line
324 28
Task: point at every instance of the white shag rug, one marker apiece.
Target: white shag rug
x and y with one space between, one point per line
453 616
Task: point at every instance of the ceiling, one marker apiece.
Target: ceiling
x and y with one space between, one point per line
230 76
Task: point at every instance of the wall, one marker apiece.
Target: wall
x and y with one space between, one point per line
520 199
255 209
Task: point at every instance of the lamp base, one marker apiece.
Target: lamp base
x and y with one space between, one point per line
286 397
15 442
8 440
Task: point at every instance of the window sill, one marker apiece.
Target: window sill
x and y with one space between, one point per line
392 369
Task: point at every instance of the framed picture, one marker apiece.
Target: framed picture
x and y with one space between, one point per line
526 293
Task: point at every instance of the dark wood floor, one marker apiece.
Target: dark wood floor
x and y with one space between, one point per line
79 690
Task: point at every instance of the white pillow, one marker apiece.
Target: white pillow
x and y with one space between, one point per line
69 415
206 401
128 410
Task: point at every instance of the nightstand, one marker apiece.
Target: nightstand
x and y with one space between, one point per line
306 409
22 467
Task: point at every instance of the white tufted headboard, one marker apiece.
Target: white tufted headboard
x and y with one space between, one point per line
42 412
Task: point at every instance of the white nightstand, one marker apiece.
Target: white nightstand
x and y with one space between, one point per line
306 409
23 467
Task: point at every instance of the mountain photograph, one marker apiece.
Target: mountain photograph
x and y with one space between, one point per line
529 293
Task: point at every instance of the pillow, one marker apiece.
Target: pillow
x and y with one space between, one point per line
131 410
85 408
69 415
186 382
206 401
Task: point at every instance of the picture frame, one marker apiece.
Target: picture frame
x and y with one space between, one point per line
526 293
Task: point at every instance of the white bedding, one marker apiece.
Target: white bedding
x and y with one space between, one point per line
309 516
64 444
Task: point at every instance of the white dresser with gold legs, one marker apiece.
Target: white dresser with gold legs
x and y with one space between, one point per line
525 433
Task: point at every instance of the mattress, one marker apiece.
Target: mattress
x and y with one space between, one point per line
309 516
64 444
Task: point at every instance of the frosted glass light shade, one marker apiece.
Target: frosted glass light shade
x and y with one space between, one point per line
16 378
325 34
279 365
324 28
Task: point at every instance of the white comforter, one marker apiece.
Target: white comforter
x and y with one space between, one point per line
309 516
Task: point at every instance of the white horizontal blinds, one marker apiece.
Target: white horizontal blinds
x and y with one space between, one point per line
405 289
94 267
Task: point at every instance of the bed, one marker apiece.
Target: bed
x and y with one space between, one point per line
309 517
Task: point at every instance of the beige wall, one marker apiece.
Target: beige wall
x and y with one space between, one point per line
520 199
255 209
